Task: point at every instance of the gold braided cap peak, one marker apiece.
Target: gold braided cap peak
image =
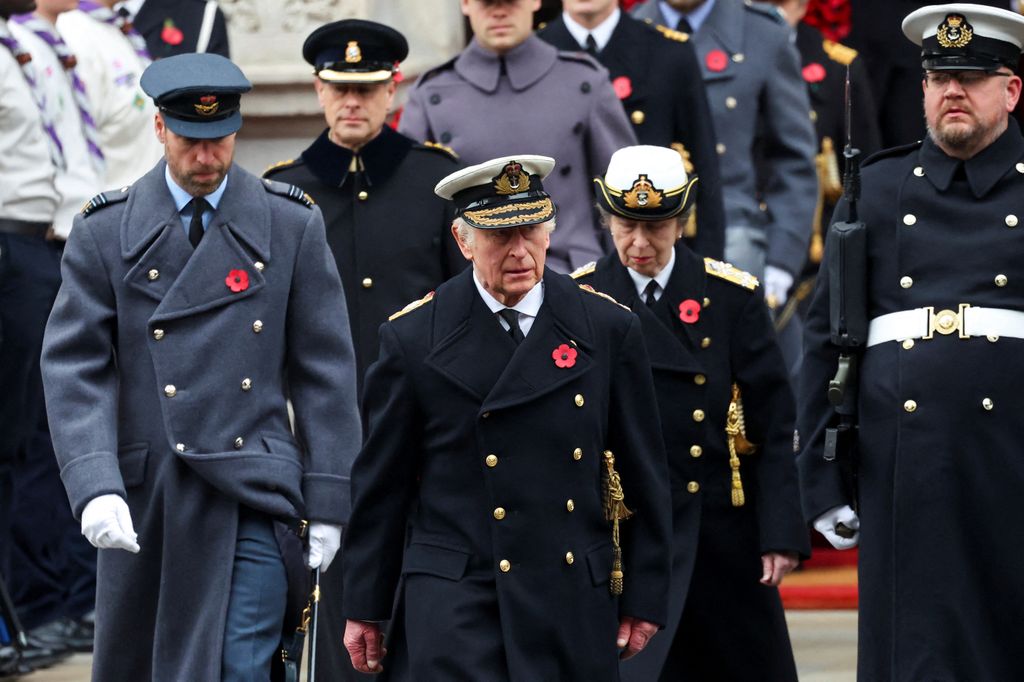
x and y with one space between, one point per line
730 273
412 306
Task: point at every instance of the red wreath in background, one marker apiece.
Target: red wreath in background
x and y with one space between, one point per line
831 17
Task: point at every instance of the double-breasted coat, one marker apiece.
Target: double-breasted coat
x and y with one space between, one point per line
532 100
167 386
940 471
490 456
759 107
658 80
717 607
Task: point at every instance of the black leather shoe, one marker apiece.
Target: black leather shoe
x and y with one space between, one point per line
35 658
61 635
10 659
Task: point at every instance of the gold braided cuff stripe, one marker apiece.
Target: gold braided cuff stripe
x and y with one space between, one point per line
484 216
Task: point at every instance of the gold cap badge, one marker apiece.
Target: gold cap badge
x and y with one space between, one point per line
207 106
643 194
512 179
353 54
954 31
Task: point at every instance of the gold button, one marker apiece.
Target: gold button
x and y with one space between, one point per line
707 301
170 391
505 566
730 102
259 266
1011 220
246 384
696 451
1001 280
1020 167
577 454
700 379
738 57
720 148
569 558
692 487
637 117
992 337
499 513
908 344
569 505
698 415
814 116
909 219
158 334
906 282
987 403
919 171
180 447
705 342
153 275
579 400
367 282
239 442
257 326
485 415
363 196
491 461
910 406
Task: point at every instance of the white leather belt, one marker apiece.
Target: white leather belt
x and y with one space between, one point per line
965 322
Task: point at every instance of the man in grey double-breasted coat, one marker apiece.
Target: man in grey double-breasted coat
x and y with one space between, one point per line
195 304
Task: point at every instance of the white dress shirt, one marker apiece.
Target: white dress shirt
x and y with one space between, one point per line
527 308
602 32
641 281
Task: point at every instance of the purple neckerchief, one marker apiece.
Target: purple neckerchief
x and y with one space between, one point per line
48 34
108 16
24 59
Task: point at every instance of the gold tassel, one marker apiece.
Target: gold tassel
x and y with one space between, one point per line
614 510
736 437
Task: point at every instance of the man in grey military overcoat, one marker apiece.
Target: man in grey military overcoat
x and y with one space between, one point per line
195 304
508 93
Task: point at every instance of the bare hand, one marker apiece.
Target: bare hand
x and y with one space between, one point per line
776 565
365 645
634 635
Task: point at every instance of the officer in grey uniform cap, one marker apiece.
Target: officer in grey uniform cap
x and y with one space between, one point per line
939 441
217 295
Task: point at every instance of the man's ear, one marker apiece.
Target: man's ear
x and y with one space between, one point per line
160 128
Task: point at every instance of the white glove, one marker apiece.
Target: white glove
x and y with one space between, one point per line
107 524
324 543
776 286
826 525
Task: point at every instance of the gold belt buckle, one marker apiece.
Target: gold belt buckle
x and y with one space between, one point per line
947 321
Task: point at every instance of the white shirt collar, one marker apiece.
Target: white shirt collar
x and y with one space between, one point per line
696 17
641 281
602 32
181 197
528 307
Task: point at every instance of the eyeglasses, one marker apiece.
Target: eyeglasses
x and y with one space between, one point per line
966 79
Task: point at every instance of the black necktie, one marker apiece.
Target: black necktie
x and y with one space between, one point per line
512 317
649 290
591 45
684 25
195 228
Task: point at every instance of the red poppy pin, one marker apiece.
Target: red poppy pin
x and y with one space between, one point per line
623 87
814 72
171 34
564 356
237 280
689 311
716 61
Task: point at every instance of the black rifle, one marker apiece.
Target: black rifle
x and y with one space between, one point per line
846 255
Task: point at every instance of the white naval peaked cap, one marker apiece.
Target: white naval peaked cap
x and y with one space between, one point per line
646 183
503 192
965 36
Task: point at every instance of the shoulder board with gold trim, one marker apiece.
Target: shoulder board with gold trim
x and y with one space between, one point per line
412 306
584 270
587 287
280 165
105 199
285 189
838 52
672 34
438 147
730 273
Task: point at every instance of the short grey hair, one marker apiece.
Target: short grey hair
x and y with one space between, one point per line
466 231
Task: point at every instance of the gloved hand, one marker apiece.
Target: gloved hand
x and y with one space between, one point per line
826 525
107 524
324 542
776 286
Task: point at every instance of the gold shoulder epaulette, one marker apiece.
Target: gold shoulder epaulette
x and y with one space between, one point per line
279 164
730 273
412 306
587 287
672 34
584 270
441 148
838 52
